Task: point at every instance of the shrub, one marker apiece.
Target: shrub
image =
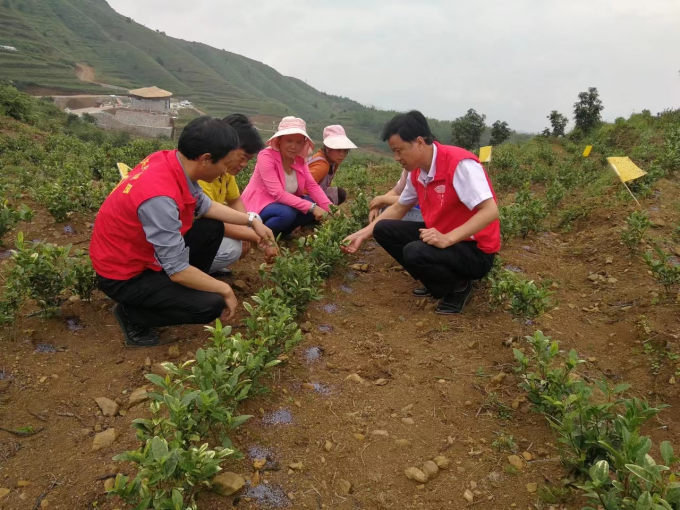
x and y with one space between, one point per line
83 275
272 321
554 194
670 158
665 269
359 210
525 299
523 217
10 216
15 104
637 224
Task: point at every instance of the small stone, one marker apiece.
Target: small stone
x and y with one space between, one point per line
532 487
592 360
138 396
226 484
255 479
297 466
104 439
73 299
259 463
406 410
159 369
442 381
612 280
442 462
498 379
343 487
147 362
671 380
44 503
122 412
97 427
473 485
43 379
359 437
658 223
542 452
473 345
354 378
381 382
402 443
328 446
4 492
516 462
380 434
241 286
108 406
469 497
527 456
173 352
419 324
109 484
430 469
515 404
415 474
609 260
23 483
430 307
306 327
468 403
407 421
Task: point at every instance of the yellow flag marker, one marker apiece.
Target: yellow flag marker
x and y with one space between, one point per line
123 169
626 171
586 152
485 154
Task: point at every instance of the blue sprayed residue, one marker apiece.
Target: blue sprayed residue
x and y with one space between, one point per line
3 374
74 324
69 230
528 322
346 289
259 452
312 354
321 389
330 308
267 496
326 328
5 254
674 260
351 276
45 349
512 268
278 417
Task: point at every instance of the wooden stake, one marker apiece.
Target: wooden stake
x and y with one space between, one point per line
631 194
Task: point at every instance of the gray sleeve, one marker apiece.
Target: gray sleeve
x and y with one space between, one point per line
161 224
203 201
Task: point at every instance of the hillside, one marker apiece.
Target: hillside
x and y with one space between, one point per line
53 36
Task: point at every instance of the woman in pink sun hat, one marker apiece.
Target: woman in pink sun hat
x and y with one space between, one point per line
324 164
281 190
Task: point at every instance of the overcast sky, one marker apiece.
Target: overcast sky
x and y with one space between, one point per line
511 60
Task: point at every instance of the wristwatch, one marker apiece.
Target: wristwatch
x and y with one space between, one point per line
311 209
251 217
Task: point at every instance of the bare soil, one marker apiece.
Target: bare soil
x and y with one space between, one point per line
405 355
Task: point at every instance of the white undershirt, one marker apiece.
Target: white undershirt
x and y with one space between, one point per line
469 181
291 182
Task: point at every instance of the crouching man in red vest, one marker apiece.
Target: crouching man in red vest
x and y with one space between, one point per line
150 254
461 233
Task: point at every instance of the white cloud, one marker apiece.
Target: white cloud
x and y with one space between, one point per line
514 61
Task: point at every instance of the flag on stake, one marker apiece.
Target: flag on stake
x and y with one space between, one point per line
485 154
123 169
626 171
586 152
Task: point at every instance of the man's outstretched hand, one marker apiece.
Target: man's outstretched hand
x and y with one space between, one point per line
352 243
434 237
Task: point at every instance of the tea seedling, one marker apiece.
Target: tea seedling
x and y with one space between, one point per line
637 224
664 269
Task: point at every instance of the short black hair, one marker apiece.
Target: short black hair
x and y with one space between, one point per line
248 135
207 135
408 126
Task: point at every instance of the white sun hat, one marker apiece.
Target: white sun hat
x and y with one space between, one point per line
291 126
334 137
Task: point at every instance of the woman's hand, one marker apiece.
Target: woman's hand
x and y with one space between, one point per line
319 214
372 215
245 248
352 242
230 301
378 202
263 231
434 237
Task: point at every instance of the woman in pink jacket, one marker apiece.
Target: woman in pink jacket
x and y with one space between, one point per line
276 189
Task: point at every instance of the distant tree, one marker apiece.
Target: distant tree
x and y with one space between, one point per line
466 131
160 61
128 19
500 132
15 104
89 118
546 133
588 109
558 123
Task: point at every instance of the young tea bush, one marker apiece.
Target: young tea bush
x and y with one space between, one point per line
272 321
637 224
665 269
10 216
525 299
41 271
83 275
555 193
524 217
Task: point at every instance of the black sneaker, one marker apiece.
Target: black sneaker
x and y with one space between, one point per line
135 336
221 273
421 292
454 302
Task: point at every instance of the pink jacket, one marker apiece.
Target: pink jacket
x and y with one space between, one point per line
267 185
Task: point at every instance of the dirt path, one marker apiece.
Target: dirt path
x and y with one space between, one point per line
426 381
85 73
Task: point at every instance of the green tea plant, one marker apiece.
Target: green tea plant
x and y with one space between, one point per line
670 157
83 275
272 321
664 268
555 193
296 276
169 476
525 299
41 271
637 224
359 210
531 212
10 216
509 223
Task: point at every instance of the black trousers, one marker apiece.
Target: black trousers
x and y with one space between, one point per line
440 270
151 299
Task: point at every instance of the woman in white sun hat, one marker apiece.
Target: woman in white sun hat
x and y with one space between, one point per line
324 164
281 190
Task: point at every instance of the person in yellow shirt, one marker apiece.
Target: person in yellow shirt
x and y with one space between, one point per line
224 190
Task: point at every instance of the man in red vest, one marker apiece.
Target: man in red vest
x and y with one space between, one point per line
150 253
461 233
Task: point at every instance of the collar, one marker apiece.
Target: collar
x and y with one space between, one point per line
429 177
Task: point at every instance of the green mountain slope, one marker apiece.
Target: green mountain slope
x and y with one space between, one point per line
53 36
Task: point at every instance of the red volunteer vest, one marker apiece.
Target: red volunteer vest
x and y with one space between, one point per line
440 205
119 249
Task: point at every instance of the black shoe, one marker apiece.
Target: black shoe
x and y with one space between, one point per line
454 302
421 292
134 335
221 273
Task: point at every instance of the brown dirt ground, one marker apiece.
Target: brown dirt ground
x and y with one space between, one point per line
378 331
